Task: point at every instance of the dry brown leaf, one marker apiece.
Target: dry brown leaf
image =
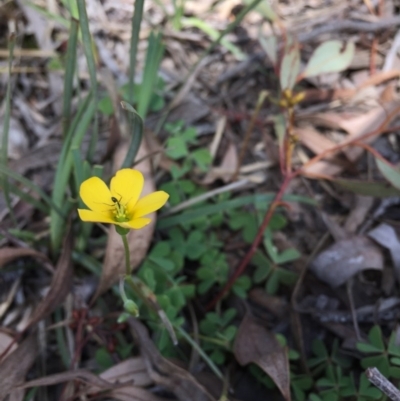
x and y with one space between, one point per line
60 284
358 213
345 258
17 139
314 141
131 393
132 370
375 119
255 344
79 374
5 342
165 373
386 236
15 366
357 127
8 254
139 240
227 168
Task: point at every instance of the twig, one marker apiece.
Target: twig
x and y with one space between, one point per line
350 25
380 381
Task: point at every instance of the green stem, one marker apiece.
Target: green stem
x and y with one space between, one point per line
127 255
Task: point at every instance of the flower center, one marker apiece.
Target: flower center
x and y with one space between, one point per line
120 212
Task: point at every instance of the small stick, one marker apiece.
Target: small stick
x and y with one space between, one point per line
380 381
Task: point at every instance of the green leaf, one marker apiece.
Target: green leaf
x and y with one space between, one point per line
375 337
103 358
228 315
241 286
205 285
205 273
277 222
161 249
290 67
272 285
176 148
270 46
394 372
261 273
392 174
368 188
394 348
331 56
288 255
319 348
367 348
202 158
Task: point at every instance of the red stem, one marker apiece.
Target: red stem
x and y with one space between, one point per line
245 261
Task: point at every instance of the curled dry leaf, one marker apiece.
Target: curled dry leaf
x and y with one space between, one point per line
60 284
16 365
165 373
255 344
139 240
345 258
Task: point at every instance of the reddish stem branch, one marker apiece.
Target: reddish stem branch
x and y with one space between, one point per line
289 175
245 261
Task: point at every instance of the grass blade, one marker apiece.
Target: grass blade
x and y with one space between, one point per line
154 55
6 128
135 123
136 21
63 172
69 75
88 48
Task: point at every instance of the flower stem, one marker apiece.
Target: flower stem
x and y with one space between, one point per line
127 255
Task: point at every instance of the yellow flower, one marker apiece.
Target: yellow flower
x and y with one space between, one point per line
119 204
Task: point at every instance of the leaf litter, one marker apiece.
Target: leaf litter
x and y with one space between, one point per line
341 117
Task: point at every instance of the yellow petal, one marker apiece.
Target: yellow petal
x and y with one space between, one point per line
150 203
96 195
126 186
136 223
97 217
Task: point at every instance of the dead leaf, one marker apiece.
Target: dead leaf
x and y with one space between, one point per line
79 374
17 139
132 370
15 366
358 213
139 240
370 124
60 284
9 254
131 393
5 342
255 344
165 373
386 236
345 258
227 168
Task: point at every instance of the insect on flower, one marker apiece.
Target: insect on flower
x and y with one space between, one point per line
126 210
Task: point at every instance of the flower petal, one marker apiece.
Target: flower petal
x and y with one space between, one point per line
97 217
126 186
96 195
136 223
150 203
